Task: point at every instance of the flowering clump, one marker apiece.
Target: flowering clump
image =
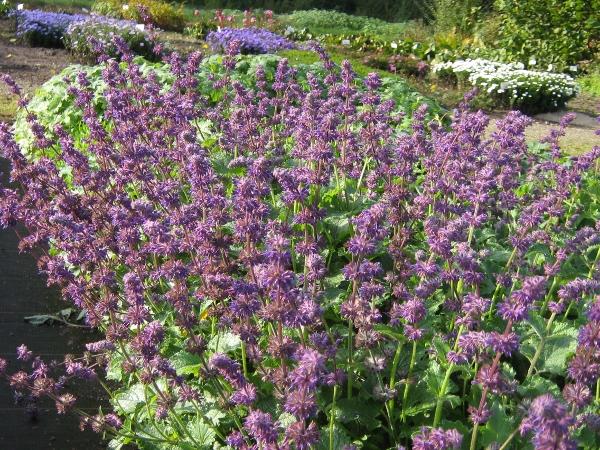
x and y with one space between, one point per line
43 29
93 36
274 262
252 40
513 85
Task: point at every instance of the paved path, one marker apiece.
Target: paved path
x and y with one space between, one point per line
23 292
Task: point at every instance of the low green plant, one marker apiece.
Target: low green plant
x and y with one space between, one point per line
200 29
5 8
336 23
590 83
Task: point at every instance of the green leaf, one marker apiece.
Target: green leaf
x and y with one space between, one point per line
536 385
224 342
129 400
203 434
498 427
186 363
559 345
340 439
114 370
357 410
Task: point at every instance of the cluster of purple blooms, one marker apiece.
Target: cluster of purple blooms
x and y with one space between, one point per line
252 40
43 28
295 220
82 34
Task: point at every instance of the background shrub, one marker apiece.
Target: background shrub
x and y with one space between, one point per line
5 8
557 32
162 14
87 39
333 22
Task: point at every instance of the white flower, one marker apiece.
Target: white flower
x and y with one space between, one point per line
394 45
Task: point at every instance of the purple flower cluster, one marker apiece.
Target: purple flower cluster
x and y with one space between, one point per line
42 28
280 249
251 40
550 423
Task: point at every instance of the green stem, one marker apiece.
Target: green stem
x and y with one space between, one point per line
498 286
474 437
244 367
350 337
548 296
540 348
509 439
332 418
442 393
393 372
440 400
413 358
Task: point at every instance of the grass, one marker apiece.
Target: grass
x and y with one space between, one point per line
590 84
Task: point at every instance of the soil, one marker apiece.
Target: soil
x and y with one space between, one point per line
23 293
29 66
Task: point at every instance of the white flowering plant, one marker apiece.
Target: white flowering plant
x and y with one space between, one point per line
510 84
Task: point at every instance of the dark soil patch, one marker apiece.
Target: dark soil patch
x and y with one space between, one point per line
23 292
29 66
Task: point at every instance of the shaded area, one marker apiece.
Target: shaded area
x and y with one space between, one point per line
23 292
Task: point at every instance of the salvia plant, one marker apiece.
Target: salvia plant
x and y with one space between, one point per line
278 266
252 40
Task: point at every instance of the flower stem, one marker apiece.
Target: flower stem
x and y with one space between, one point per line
441 394
474 437
509 439
540 347
332 418
350 331
395 363
413 358
244 366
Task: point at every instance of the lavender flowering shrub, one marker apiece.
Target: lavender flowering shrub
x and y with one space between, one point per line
276 264
43 29
253 40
